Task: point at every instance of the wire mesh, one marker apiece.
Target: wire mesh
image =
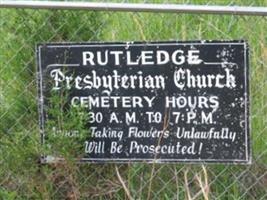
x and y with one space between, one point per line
22 177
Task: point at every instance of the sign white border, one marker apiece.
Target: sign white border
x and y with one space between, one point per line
248 159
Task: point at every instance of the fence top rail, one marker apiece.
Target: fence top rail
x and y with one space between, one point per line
136 7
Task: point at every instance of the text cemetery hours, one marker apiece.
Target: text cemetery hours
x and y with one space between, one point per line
153 102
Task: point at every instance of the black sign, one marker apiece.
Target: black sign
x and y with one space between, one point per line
153 102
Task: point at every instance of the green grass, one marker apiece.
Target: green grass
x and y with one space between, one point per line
20 173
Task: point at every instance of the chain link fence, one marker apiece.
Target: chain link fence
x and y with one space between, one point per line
21 175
